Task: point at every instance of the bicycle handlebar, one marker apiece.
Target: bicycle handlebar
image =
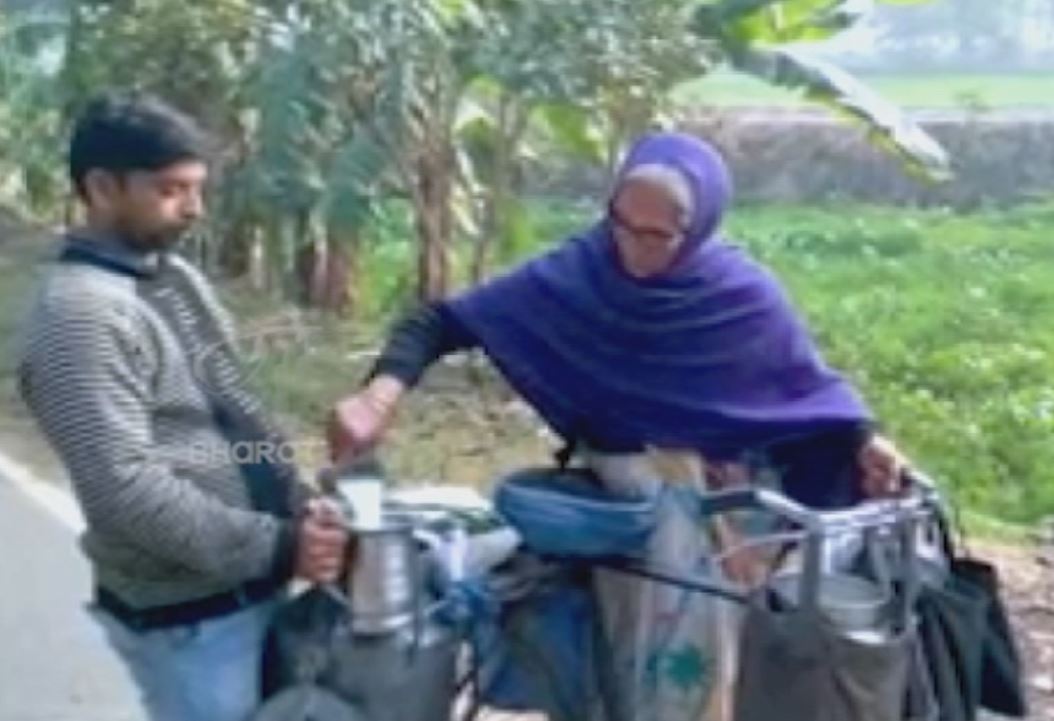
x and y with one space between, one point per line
877 511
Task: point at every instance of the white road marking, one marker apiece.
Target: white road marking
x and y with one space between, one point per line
56 501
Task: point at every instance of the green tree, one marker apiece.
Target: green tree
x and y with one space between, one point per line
30 159
324 108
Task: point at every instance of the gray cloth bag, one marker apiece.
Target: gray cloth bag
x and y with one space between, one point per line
796 666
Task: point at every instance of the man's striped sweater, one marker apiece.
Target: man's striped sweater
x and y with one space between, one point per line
122 362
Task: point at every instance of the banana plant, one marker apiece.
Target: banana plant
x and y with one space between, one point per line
586 78
570 79
440 102
754 35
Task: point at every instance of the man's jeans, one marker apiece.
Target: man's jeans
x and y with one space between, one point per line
205 671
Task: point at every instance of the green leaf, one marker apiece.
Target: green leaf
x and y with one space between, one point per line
353 179
516 231
463 208
889 126
730 9
574 130
789 21
471 115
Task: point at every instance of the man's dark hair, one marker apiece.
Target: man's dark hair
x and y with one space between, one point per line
121 133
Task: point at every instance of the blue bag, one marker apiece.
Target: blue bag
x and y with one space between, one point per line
567 513
539 653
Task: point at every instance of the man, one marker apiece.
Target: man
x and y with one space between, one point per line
193 519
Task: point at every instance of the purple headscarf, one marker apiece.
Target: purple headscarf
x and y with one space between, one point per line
709 355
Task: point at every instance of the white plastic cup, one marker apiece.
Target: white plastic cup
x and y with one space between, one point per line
365 498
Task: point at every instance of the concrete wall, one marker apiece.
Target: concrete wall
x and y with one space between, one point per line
810 156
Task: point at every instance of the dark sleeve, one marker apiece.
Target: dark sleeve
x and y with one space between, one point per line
823 470
419 339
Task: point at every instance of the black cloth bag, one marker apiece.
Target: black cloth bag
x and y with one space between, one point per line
968 641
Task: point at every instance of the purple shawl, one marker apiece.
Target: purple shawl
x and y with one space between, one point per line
711 355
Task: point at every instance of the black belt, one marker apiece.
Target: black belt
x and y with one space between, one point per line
181 614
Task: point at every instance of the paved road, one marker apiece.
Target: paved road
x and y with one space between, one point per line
54 663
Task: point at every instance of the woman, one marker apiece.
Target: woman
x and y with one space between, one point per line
647 332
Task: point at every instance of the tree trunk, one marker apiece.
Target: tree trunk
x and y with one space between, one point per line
324 271
433 223
498 197
432 261
256 261
236 249
342 296
309 268
70 210
488 232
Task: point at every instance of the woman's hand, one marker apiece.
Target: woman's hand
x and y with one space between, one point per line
882 468
358 422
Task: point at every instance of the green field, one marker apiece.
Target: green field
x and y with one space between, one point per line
726 89
946 321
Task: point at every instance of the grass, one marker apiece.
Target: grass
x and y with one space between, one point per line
930 91
945 321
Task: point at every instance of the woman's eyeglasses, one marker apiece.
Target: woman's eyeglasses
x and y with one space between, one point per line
660 236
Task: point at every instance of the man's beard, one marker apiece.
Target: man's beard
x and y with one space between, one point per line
158 240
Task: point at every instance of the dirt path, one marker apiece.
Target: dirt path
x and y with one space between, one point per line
1028 577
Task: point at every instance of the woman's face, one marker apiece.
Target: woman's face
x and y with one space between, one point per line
647 228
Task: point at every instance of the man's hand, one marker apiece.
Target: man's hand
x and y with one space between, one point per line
358 422
882 466
322 542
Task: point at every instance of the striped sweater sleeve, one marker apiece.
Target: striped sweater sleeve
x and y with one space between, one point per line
85 378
